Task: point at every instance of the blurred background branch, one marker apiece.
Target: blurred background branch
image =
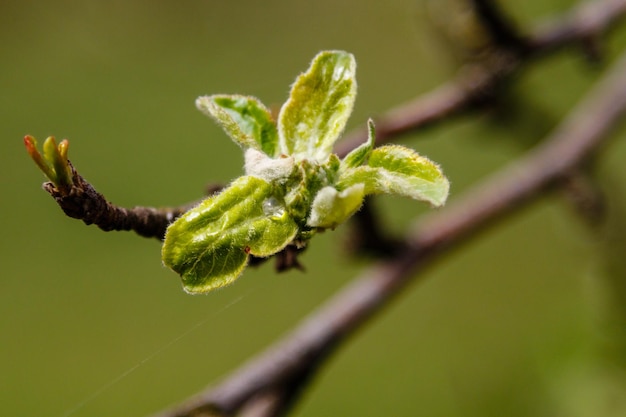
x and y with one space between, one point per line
271 382
476 86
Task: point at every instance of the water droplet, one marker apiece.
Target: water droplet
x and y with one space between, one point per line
273 208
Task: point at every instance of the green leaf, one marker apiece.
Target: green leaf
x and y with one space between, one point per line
245 119
209 245
360 154
330 207
319 105
395 169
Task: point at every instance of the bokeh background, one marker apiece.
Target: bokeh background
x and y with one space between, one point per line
91 323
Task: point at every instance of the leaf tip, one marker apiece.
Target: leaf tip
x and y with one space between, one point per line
203 103
31 147
441 192
371 132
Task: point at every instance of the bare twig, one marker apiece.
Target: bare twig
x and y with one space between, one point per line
502 31
469 92
571 144
316 337
82 201
474 87
589 21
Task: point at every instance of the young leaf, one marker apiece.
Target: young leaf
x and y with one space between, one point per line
319 105
330 207
53 162
394 169
209 245
56 155
245 119
360 154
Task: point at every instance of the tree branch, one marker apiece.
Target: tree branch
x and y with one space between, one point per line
475 86
82 201
305 348
589 21
470 91
502 31
270 383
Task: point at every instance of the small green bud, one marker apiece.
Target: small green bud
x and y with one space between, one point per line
53 163
331 207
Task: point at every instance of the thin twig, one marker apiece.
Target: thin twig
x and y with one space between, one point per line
316 337
473 89
589 21
469 92
82 201
475 86
502 31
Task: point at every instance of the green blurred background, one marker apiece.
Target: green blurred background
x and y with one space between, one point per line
91 324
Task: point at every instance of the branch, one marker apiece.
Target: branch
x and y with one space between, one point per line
82 201
589 21
478 85
474 87
501 29
469 92
302 351
270 383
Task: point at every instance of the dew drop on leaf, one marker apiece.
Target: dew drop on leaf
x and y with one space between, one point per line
273 208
